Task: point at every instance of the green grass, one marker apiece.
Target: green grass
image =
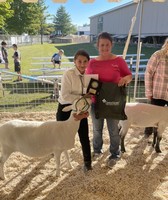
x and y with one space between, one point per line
24 97
47 50
36 102
30 51
70 49
17 101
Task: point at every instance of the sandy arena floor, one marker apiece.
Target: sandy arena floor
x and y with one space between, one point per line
140 174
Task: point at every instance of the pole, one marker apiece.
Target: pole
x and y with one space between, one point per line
138 48
129 93
130 32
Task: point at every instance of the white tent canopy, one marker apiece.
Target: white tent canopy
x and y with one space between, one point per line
62 1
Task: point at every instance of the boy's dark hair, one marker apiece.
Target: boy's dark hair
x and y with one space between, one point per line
3 43
14 45
81 52
105 35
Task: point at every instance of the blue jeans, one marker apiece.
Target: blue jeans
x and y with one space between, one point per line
113 130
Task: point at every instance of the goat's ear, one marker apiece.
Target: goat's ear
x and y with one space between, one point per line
67 108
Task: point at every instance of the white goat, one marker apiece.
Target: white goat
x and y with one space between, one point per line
144 115
36 139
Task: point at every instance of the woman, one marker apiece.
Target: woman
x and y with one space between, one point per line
71 88
156 80
110 68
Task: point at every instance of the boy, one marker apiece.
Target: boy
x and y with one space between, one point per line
4 54
17 57
56 58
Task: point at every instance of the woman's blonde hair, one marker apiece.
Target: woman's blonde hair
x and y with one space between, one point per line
165 46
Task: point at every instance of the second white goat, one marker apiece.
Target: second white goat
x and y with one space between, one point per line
144 115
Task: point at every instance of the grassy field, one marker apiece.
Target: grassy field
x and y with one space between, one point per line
17 101
47 50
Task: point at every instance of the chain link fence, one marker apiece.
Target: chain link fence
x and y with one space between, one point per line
39 96
28 96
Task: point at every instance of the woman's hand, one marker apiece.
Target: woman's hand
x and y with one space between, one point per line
80 116
125 80
122 82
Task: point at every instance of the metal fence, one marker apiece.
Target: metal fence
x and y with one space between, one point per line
24 39
33 95
27 96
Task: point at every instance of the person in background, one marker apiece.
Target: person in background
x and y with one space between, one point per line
17 58
56 58
156 80
72 88
1 58
4 54
110 68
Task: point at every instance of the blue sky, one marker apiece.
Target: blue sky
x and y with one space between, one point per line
80 12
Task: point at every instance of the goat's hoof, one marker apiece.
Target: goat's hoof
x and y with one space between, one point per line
2 177
57 174
70 167
158 150
123 150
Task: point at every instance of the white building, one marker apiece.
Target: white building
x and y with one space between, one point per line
117 21
83 30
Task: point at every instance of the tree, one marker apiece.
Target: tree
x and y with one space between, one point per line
17 23
5 13
62 22
27 18
49 29
42 18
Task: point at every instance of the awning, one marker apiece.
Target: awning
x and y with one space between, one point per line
152 34
121 36
142 36
115 36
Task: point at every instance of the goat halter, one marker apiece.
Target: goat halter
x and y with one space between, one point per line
84 104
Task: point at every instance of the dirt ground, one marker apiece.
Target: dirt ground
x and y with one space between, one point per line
140 174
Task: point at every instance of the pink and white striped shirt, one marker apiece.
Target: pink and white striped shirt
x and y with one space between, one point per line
156 76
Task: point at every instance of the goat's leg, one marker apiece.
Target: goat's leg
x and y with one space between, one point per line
6 152
2 169
158 139
123 129
67 158
57 155
122 144
154 137
122 137
157 147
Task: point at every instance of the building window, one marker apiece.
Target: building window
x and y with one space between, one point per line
81 33
100 24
